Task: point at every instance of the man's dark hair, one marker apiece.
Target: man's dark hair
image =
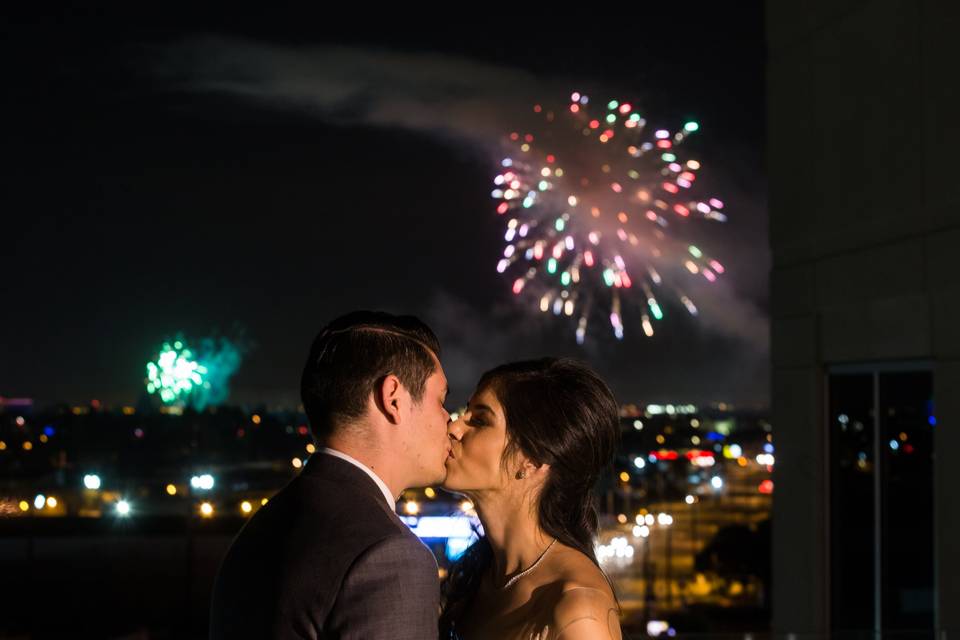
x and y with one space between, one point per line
352 355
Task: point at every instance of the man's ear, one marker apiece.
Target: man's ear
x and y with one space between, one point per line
388 395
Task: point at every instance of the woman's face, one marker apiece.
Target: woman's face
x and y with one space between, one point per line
479 439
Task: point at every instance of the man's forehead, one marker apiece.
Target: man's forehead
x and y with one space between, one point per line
437 367
439 377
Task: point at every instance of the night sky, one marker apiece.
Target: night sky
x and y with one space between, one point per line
261 174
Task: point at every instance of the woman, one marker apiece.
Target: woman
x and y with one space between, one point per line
527 452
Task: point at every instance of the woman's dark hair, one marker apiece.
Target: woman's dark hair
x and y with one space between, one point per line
558 412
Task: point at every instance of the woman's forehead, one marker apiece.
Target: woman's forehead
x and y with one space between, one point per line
485 398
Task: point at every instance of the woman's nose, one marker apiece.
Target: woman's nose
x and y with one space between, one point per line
455 429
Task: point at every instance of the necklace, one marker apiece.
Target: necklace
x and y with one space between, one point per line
514 579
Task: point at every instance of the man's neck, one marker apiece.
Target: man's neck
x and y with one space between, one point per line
375 459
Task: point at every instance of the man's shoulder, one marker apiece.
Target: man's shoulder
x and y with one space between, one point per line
316 522
400 548
314 516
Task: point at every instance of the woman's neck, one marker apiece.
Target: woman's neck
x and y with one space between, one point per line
511 527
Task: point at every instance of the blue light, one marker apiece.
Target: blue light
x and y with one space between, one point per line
204 482
932 421
49 431
768 448
438 527
714 436
894 445
456 547
458 531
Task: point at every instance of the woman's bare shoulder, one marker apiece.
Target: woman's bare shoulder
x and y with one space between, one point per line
573 570
585 613
585 606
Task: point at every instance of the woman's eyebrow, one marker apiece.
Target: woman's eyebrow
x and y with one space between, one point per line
481 407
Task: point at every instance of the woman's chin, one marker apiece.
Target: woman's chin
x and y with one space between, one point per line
453 483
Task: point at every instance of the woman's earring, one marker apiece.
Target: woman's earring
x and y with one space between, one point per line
521 474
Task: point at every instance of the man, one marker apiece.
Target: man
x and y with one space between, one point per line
327 557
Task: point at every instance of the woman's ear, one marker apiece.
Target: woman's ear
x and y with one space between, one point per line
541 469
528 469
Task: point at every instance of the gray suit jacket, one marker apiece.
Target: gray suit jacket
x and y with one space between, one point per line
326 558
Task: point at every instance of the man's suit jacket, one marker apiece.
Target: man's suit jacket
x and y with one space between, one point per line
326 558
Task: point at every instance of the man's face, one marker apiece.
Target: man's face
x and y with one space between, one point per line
428 443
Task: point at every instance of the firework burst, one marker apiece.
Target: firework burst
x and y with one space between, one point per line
595 204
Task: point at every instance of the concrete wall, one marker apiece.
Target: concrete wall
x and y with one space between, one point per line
864 166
